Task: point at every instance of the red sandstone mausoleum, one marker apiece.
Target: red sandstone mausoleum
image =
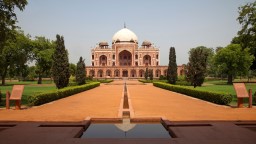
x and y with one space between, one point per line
125 58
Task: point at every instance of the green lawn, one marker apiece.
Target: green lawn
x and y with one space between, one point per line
28 82
217 86
221 86
29 89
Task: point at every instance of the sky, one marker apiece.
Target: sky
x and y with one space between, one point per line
183 24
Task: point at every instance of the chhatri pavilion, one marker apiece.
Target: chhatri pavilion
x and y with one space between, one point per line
125 58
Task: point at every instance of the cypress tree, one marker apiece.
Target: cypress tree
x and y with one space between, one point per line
151 74
80 72
172 67
60 65
146 74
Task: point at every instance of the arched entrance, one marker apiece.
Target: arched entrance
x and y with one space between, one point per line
108 73
100 73
125 73
147 60
91 73
103 60
133 73
158 73
141 73
125 58
117 73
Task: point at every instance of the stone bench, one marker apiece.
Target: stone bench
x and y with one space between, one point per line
241 93
15 95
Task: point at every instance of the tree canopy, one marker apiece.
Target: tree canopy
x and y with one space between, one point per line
15 54
232 60
247 35
43 49
8 18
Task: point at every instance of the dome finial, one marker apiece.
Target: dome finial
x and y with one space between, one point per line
124 25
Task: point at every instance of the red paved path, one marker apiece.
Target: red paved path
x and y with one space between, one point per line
147 101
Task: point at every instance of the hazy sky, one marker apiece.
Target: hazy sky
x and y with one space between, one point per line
183 24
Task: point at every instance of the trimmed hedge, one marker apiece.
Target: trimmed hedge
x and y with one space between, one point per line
104 80
43 98
145 81
218 98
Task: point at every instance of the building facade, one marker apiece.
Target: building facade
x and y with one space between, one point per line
125 58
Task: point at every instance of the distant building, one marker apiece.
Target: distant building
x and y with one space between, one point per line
125 58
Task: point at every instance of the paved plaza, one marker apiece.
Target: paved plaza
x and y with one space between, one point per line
147 102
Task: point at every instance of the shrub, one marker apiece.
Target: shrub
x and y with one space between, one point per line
145 81
104 80
183 83
218 98
43 98
0 96
72 84
254 98
162 77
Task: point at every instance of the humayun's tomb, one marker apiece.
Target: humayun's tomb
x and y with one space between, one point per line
125 58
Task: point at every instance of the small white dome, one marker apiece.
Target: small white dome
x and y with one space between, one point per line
125 35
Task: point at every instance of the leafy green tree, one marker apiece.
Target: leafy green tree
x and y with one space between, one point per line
196 67
32 73
8 19
43 50
232 60
146 74
72 69
247 35
60 65
80 72
172 67
16 52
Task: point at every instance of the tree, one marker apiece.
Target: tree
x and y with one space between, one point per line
146 74
232 60
247 35
80 72
8 18
43 50
60 65
196 67
72 69
172 67
150 74
15 54
32 73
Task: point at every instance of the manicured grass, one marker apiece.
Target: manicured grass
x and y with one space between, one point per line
31 88
28 91
216 86
28 82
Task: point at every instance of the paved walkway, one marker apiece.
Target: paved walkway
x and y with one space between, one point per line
147 101
150 101
103 101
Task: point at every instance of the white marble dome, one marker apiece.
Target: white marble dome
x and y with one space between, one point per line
125 35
